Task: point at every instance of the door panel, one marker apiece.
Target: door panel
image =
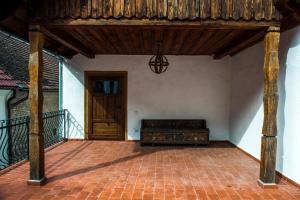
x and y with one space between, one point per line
107 109
106 129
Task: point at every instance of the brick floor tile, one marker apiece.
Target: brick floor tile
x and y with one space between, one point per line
126 196
125 170
82 195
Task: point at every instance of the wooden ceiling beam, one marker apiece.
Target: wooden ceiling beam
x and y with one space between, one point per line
15 27
227 40
65 51
202 41
8 8
161 23
287 7
212 44
69 42
290 21
295 6
290 11
240 45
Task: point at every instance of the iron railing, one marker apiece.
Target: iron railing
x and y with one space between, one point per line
53 127
14 135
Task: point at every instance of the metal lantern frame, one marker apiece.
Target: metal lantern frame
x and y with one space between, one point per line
158 63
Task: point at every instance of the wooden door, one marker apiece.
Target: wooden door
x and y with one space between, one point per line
106 108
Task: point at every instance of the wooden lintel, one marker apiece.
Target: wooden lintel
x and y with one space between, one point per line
68 42
159 23
236 48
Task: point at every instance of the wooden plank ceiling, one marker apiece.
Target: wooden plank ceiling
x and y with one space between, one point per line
176 40
144 41
71 36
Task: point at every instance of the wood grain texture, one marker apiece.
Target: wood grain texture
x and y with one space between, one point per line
239 43
141 8
268 160
68 42
156 14
170 9
178 131
105 115
271 72
155 22
143 40
129 8
108 8
270 99
36 140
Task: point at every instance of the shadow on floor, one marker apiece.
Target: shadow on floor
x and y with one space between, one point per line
138 150
68 156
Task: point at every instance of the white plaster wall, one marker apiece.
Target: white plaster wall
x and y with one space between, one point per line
73 99
193 87
4 95
246 103
246 109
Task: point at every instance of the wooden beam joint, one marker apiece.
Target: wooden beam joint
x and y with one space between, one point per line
239 46
68 42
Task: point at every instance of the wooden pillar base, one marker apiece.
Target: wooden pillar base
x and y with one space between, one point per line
267 185
268 160
36 158
37 182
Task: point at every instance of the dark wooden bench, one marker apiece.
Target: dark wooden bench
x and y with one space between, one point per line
170 131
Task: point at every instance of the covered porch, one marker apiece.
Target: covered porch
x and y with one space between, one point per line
118 36
147 28
125 170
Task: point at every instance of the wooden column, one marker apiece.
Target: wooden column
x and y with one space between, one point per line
36 139
270 99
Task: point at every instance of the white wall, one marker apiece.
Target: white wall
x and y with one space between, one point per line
193 87
246 103
4 95
228 93
246 108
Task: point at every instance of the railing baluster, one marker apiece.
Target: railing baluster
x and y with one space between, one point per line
27 137
64 118
14 138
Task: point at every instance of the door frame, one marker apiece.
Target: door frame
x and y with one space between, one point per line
87 99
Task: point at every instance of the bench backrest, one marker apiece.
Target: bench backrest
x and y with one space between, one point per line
174 123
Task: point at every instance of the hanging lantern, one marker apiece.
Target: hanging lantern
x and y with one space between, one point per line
158 63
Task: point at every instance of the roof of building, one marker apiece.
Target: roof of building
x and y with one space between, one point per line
6 81
14 57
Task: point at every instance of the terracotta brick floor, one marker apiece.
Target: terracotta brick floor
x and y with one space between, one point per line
124 170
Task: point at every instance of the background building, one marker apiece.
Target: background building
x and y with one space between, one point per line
14 78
